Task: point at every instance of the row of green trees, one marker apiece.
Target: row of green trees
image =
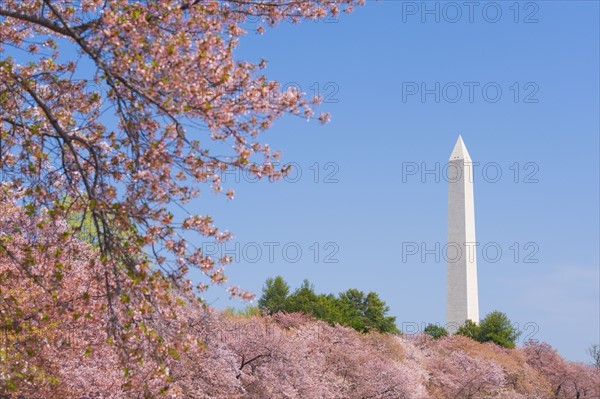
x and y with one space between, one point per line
352 308
496 327
367 312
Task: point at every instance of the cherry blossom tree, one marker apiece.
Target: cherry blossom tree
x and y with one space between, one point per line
457 374
44 296
54 320
115 112
567 379
294 356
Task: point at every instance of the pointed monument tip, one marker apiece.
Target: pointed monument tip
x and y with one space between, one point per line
460 150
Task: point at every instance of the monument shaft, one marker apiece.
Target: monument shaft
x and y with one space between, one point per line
461 284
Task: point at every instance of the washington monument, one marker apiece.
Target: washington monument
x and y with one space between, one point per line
461 285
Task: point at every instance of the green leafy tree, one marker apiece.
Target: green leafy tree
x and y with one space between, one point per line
303 299
274 295
435 331
320 306
352 308
496 327
469 329
366 312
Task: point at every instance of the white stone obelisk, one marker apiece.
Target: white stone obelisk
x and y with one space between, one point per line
461 284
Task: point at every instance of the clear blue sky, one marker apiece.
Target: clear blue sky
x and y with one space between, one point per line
371 62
